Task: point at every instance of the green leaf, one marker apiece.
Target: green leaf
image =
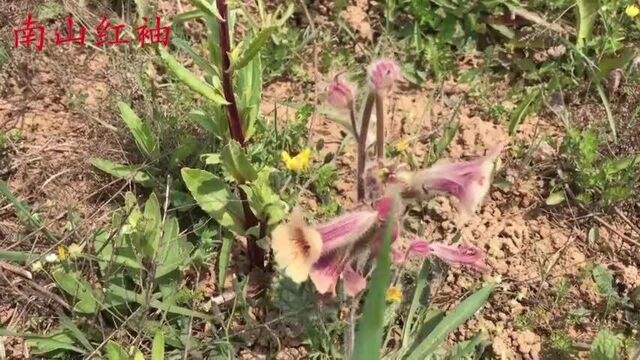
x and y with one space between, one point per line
116 352
147 239
523 109
46 345
190 79
606 346
214 197
460 314
587 12
18 256
555 198
215 124
187 16
188 147
236 163
368 343
422 284
157 349
124 171
174 251
604 282
207 7
249 94
464 349
141 299
73 284
197 59
66 323
442 144
254 47
24 213
266 203
142 134
223 260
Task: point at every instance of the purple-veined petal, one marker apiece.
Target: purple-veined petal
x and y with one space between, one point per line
460 255
346 229
466 256
325 273
354 283
467 181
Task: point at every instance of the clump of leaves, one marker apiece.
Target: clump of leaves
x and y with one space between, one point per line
596 178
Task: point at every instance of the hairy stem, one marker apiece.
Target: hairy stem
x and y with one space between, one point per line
235 122
255 253
362 143
379 127
354 127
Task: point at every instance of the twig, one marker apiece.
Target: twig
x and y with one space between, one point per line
49 294
16 270
626 219
610 228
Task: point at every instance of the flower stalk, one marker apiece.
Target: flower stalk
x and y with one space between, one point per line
362 144
379 126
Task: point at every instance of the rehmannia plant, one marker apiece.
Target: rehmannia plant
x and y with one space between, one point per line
337 248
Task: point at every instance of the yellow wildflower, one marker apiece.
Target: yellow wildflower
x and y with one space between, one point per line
36 266
403 145
632 11
394 295
75 250
298 163
63 253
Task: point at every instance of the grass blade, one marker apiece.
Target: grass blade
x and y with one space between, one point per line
142 134
422 284
76 332
460 314
522 111
157 349
23 212
141 299
190 79
368 344
223 260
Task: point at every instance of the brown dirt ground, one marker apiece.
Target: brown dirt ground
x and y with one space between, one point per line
530 247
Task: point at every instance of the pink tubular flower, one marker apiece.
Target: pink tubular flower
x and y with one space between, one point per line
467 181
466 256
383 74
340 93
326 251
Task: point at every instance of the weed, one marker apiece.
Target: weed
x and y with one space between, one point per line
562 345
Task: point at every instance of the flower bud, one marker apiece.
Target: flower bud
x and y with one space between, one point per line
383 74
340 93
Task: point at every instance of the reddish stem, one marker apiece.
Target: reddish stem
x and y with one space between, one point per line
235 123
256 253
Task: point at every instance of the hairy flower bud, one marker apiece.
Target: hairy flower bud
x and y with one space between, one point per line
383 74
340 93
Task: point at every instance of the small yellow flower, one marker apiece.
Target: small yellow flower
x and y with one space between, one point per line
403 145
75 250
298 163
63 253
632 11
36 266
394 295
